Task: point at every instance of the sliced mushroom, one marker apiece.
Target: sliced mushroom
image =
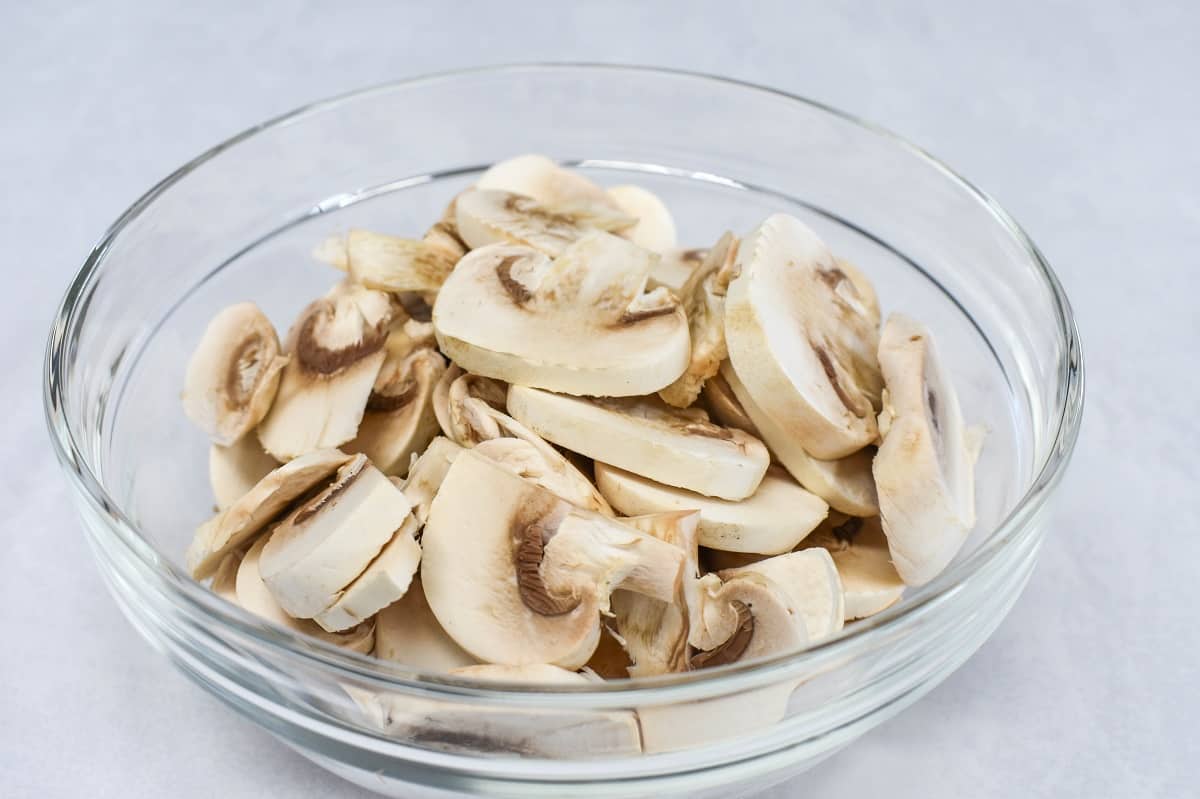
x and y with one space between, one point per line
810 579
258 507
860 552
489 216
648 437
233 375
865 289
742 617
462 403
337 350
426 475
385 580
406 632
399 420
328 541
674 267
704 301
234 470
655 227
802 340
845 483
925 467
547 468
542 179
444 234
224 581
515 575
579 324
771 521
724 407
388 263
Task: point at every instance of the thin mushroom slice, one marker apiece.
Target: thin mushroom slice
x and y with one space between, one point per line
723 406
406 632
399 420
463 404
488 216
648 437
925 467
337 350
234 470
704 302
802 340
258 507
810 579
859 549
743 617
544 180
388 263
845 483
233 375
771 521
426 474
515 575
655 227
674 267
579 324
328 541
547 468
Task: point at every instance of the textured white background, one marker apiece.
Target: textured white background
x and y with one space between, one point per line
1080 117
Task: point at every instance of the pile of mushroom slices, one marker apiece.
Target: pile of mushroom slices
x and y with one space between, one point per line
543 438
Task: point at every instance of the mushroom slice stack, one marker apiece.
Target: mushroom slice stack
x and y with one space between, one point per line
336 349
406 632
314 555
655 227
771 521
802 339
233 375
704 301
925 466
845 483
646 436
490 216
258 507
860 552
389 263
579 324
516 575
234 470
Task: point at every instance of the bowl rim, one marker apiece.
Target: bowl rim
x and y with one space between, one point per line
737 676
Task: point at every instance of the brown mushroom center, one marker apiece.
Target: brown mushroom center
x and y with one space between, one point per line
732 648
831 372
530 550
245 368
633 317
516 291
318 358
394 397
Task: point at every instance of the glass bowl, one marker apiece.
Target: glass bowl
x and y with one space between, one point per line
238 223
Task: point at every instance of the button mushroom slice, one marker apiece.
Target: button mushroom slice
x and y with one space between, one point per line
704 302
443 233
407 632
254 596
399 419
845 483
718 398
579 324
224 581
655 227
866 290
810 579
802 340
744 617
247 517
426 474
547 468
769 522
646 436
325 543
337 350
924 470
462 403
233 374
388 263
516 575
489 216
674 267
546 182
859 549
234 470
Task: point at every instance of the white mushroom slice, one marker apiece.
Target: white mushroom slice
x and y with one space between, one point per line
674 267
386 579
388 263
488 216
515 575
675 727
655 633
406 632
724 408
254 596
399 420
525 673
224 581
542 179
925 466
426 475
443 233
234 470
810 579
233 375
323 545
579 324
865 289
742 617
336 349
860 552
247 517
648 437
463 404
845 483
549 469
704 302
655 227
771 521
802 340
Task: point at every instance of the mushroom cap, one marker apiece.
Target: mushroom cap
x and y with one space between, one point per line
655 227
399 420
579 324
647 436
407 632
859 549
824 381
234 470
771 521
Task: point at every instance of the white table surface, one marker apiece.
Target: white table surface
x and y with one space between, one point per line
1080 117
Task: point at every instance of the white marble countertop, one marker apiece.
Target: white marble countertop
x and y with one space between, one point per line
1080 117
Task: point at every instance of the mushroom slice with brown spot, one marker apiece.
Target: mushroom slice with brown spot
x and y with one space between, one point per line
802 340
674 267
742 618
845 483
655 227
646 436
810 579
399 419
488 216
234 373
925 467
388 263
258 507
579 324
328 541
516 575
551 185
859 549
406 632
337 349
704 302
234 470
723 406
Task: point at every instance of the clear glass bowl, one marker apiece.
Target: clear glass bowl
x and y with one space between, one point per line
238 223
